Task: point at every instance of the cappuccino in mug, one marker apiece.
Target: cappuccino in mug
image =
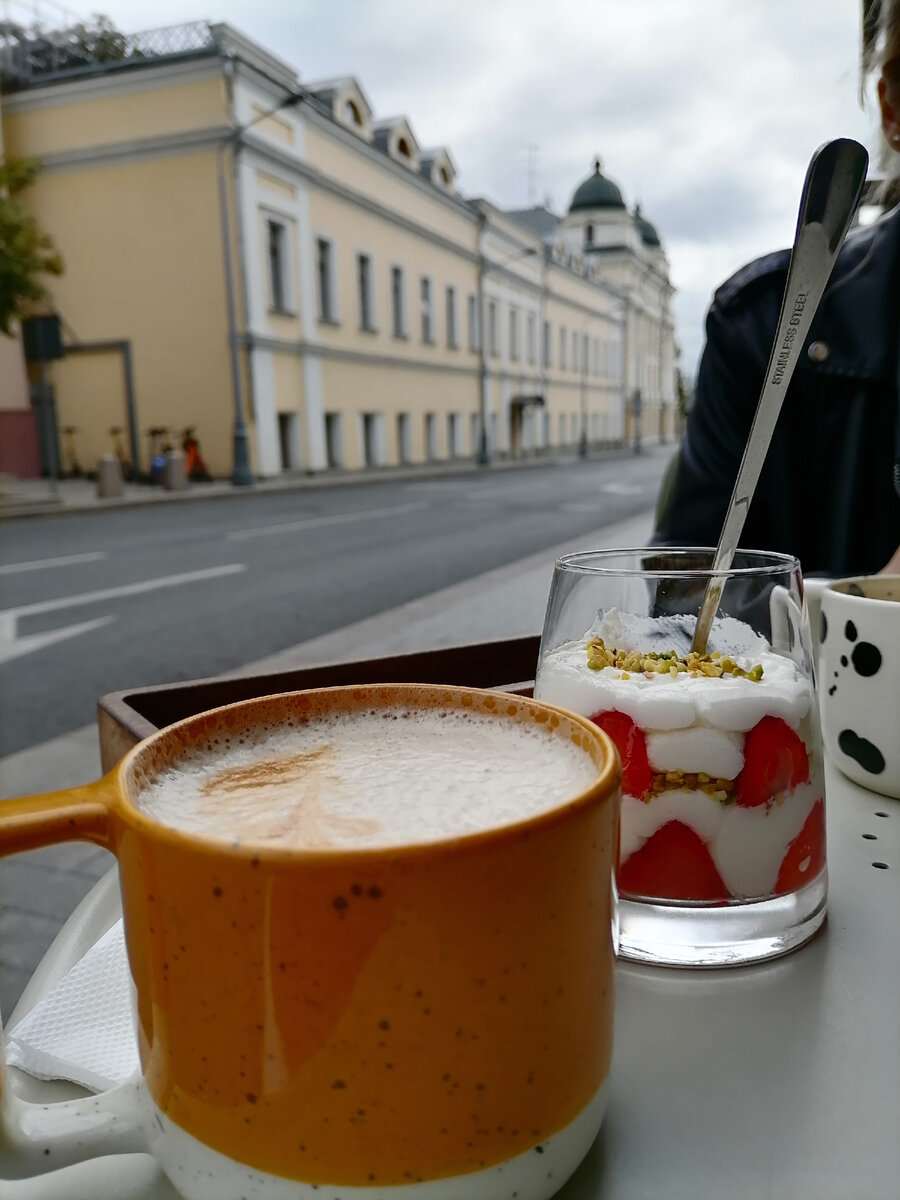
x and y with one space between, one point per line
370 932
387 777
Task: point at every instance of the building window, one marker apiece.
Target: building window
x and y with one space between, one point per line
514 334
278 267
431 451
546 343
452 340
398 302
474 331
454 435
493 342
371 437
403 148
325 277
352 114
364 289
427 315
562 348
334 439
289 440
404 437
589 235
532 338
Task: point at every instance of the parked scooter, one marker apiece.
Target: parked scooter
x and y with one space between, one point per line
74 471
129 473
159 450
194 466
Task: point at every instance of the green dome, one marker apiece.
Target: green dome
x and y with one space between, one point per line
596 192
649 236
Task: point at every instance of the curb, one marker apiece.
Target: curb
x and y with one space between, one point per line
55 506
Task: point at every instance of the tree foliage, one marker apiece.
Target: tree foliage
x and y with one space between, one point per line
26 252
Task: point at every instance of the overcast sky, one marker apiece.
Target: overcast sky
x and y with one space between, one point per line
704 111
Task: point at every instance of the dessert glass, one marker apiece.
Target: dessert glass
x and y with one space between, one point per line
722 850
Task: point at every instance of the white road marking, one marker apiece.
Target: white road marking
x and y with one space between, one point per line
502 493
126 589
622 489
40 564
12 646
237 535
435 485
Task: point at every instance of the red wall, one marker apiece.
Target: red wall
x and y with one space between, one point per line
20 452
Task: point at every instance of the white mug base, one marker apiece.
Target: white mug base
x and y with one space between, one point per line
872 783
200 1173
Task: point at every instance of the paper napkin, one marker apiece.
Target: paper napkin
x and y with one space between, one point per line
83 1029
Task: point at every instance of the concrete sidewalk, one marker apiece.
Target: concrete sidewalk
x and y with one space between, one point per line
38 890
43 497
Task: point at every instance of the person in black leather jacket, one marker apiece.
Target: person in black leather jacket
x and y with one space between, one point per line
829 491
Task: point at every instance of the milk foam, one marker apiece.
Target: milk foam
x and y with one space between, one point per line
384 778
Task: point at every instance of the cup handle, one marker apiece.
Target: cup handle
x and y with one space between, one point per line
779 616
38 1138
76 814
124 1177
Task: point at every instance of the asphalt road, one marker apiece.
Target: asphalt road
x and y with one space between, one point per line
90 604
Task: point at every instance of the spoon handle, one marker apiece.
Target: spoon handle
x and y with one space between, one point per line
829 199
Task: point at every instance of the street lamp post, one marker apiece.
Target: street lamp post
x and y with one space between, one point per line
636 409
242 471
583 439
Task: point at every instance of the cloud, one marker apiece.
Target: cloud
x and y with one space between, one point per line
705 112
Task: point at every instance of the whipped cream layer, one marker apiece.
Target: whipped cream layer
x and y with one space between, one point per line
657 701
747 845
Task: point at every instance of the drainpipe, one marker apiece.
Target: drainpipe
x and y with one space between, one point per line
242 473
484 452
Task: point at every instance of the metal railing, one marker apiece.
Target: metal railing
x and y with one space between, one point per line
31 56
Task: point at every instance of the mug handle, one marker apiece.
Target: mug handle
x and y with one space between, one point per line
38 1138
125 1177
75 814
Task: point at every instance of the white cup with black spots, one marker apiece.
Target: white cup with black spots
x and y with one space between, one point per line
859 679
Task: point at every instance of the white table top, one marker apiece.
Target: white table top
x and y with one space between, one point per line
776 1080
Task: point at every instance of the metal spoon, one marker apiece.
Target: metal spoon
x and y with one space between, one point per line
829 199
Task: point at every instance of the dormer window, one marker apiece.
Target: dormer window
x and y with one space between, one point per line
347 103
437 166
395 137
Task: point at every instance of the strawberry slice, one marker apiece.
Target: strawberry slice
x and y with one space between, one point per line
632 747
674 864
805 856
775 760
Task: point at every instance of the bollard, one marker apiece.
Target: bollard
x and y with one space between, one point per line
174 475
109 476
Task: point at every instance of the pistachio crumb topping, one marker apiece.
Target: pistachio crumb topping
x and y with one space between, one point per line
669 662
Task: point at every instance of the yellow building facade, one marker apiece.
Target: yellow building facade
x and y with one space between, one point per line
270 264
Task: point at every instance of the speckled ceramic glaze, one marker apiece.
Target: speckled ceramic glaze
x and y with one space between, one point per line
859 679
389 1022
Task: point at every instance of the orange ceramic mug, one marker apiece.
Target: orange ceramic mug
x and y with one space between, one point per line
416 1020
